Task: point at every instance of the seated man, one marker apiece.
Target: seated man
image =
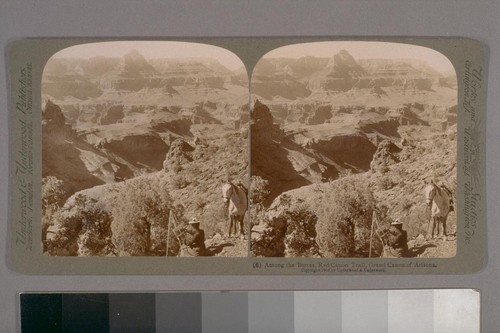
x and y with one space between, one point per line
193 240
396 241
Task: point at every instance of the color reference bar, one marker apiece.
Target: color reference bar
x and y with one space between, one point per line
409 311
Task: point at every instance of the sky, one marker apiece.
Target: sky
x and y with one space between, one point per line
166 49
365 50
152 50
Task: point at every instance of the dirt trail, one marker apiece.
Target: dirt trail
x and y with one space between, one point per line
223 246
434 248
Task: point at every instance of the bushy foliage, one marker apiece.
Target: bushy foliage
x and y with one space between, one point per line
300 237
215 219
84 229
270 242
259 190
417 220
53 195
346 228
180 181
292 233
385 183
141 214
95 237
176 167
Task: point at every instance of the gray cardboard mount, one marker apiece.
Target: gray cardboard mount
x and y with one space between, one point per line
27 59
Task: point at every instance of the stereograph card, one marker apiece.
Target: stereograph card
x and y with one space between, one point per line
243 156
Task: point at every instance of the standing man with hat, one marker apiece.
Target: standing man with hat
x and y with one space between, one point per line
397 241
194 240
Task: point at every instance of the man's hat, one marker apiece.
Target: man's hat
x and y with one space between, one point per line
397 222
194 221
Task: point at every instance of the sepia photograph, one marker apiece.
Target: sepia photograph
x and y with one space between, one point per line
354 152
145 150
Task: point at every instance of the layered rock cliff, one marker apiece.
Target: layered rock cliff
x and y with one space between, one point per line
301 78
69 158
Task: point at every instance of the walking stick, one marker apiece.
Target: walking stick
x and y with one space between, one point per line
178 237
168 235
371 236
377 228
172 220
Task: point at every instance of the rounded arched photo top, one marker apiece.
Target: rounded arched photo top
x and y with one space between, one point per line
159 73
364 50
311 70
154 50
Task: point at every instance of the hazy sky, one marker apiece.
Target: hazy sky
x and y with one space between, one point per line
152 50
365 50
162 49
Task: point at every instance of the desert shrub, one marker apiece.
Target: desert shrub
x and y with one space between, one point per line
400 171
384 168
257 215
345 173
420 151
406 203
212 150
285 200
233 168
220 220
212 215
95 237
231 140
84 229
192 170
346 228
292 233
199 203
200 155
180 181
341 242
270 242
176 167
385 183
417 221
259 190
141 214
300 236
53 195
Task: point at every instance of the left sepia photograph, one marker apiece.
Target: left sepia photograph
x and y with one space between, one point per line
145 149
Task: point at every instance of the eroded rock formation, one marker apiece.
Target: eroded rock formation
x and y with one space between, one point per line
180 152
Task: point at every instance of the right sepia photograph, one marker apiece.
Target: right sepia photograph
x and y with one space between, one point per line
353 152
